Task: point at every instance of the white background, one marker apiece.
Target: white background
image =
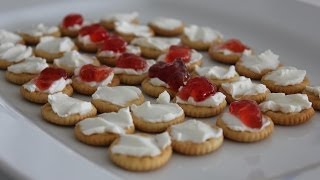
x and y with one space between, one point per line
11 5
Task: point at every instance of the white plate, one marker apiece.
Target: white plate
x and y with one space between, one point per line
30 147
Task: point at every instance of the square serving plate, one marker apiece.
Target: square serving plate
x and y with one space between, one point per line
32 148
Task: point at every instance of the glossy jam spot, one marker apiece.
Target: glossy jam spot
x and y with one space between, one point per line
178 52
90 73
199 88
175 74
115 44
131 61
233 45
72 19
85 30
48 76
96 32
248 112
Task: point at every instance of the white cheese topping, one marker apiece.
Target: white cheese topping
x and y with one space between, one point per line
163 98
243 86
118 70
166 23
265 60
195 57
315 90
119 95
226 51
85 39
32 65
140 146
77 27
158 82
14 52
73 59
56 86
157 112
9 37
285 103
135 29
204 34
129 49
133 49
110 54
64 106
194 131
55 45
217 72
285 76
127 17
211 101
234 123
41 30
114 122
159 43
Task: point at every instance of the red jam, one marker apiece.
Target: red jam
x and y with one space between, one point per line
115 44
72 19
175 74
48 76
96 32
248 112
233 45
90 73
178 52
132 61
199 88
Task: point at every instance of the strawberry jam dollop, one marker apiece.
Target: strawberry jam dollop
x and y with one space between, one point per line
90 73
175 74
115 44
48 76
233 45
248 112
72 19
178 52
199 88
131 61
96 32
